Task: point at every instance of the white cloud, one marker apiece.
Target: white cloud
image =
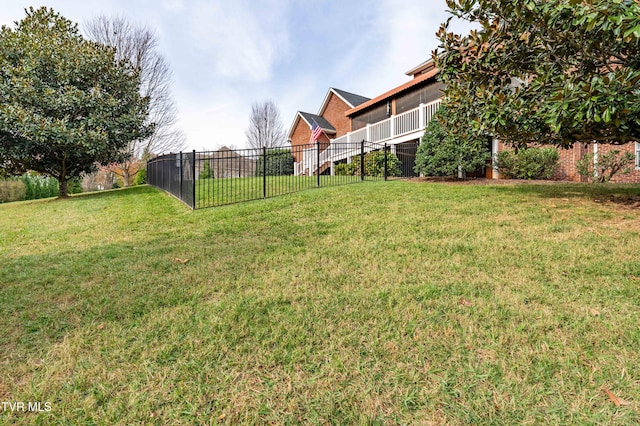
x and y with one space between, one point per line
402 37
407 32
173 5
213 127
245 38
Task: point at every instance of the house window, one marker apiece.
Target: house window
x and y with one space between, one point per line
637 155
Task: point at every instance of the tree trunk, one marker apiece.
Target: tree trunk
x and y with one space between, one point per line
63 191
126 176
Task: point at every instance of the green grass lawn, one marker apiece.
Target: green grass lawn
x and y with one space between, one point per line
221 191
375 303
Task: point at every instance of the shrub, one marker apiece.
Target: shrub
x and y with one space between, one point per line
141 177
29 188
206 173
373 165
75 185
52 187
609 164
12 190
442 154
279 163
528 163
38 186
343 169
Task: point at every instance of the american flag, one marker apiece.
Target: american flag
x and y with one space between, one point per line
316 131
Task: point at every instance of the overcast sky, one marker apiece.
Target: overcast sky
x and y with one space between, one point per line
227 54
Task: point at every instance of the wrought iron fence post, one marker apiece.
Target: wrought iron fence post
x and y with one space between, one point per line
362 160
193 181
264 172
386 170
318 161
181 177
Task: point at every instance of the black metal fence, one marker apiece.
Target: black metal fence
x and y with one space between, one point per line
226 176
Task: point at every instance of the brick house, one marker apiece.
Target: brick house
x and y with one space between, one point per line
330 117
567 169
398 118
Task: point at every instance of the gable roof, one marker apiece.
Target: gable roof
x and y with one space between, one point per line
419 79
351 99
309 118
321 121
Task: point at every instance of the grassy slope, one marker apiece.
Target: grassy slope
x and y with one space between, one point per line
372 303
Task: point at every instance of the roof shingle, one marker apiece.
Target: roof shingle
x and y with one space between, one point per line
352 98
322 122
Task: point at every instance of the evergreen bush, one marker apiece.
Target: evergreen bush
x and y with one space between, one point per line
279 163
442 154
528 163
373 165
141 177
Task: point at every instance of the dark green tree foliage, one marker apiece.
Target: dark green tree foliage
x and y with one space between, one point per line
279 163
548 72
65 102
443 152
529 163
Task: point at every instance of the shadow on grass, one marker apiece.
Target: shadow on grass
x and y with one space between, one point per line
112 193
624 194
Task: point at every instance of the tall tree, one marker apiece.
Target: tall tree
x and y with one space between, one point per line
265 126
139 45
65 103
550 72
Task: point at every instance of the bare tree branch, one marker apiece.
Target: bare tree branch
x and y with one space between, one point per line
265 126
138 44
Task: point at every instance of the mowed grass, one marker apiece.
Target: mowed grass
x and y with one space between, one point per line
222 191
374 303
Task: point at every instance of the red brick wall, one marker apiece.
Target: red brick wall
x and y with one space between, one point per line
634 176
300 139
569 157
334 113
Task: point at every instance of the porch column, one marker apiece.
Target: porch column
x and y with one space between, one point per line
421 118
392 126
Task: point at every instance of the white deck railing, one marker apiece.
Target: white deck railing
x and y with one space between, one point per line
392 130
